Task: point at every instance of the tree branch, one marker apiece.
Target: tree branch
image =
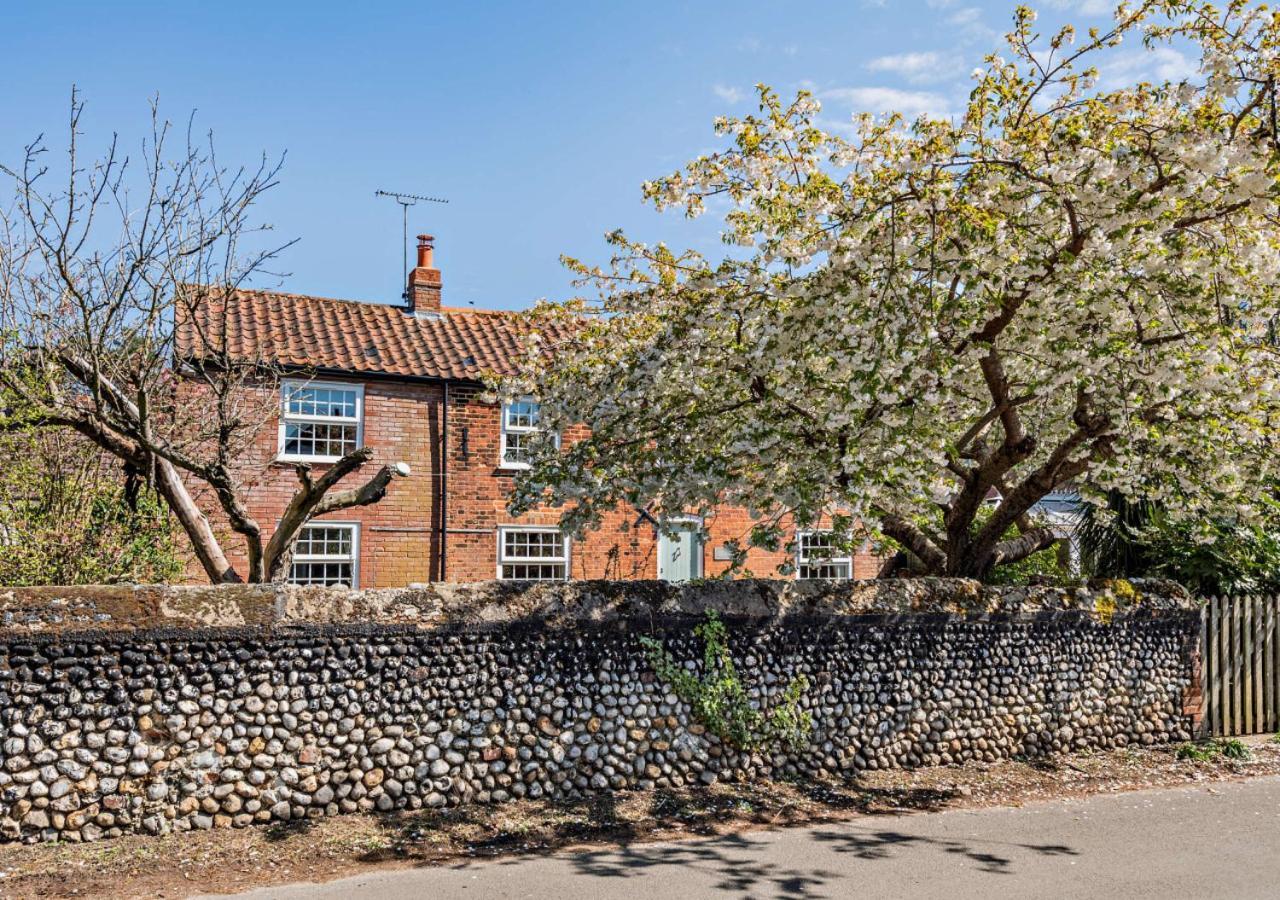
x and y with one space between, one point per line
916 541
1022 546
313 499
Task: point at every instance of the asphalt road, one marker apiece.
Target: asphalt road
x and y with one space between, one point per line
1208 841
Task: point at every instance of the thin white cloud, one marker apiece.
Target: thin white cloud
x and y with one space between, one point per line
726 92
920 67
911 104
966 16
1084 7
969 25
1156 65
754 44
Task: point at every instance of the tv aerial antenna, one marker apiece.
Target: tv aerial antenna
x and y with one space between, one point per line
405 201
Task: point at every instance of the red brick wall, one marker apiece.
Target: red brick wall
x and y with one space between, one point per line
401 536
397 537
624 547
731 523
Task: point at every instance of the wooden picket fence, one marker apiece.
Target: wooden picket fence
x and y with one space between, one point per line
1240 657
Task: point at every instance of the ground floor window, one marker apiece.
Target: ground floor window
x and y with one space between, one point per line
532 554
820 554
326 554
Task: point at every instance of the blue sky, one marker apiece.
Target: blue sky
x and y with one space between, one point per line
538 120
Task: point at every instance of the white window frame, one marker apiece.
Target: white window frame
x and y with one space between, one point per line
354 527
802 559
567 543
505 429
287 419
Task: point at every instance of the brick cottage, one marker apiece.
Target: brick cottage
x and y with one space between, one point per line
406 381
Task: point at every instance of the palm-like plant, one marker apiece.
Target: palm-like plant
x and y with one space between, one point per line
1124 539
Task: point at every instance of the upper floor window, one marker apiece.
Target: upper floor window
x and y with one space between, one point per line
820 554
521 423
532 554
326 554
320 422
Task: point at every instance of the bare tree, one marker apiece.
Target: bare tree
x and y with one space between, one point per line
102 267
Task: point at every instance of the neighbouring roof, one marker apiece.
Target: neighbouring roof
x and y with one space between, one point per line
296 330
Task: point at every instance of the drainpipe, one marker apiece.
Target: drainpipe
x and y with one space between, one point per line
444 483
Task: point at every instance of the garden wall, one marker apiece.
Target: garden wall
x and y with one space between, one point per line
126 709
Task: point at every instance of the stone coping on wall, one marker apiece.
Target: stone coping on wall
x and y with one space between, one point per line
107 608
679 623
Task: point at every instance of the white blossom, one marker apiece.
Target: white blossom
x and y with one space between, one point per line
1065 286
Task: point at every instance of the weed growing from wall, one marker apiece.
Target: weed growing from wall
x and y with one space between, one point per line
720 701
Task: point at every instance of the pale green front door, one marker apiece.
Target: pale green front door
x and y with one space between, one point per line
680 552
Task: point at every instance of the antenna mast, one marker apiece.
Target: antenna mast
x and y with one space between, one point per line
405 201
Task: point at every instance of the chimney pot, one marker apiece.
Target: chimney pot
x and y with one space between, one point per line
423 294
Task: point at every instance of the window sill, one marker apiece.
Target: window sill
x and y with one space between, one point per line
287 460
513 467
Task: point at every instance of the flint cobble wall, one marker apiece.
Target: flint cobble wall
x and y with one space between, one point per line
103 733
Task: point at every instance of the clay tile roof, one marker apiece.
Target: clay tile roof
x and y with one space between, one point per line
295 330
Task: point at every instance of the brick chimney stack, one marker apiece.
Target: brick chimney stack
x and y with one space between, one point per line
423 294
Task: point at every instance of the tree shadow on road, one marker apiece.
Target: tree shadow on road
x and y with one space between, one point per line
736 863
880 844
708 829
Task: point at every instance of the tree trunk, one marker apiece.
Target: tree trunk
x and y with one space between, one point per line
203 541
315 498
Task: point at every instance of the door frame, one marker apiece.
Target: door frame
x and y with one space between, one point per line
664 542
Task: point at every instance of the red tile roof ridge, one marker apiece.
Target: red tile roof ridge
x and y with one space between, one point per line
451 310
292 329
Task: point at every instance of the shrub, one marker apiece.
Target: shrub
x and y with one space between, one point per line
1212 556
67 516
719 700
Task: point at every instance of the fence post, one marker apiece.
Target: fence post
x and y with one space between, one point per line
1237 666
1215 667
1270 672
1229 656
1246 659
1259 641
1220 670
1203 728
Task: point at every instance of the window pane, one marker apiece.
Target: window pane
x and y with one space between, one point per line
533 572
516 448
822 554
319 439
815 543
823 570
522 414
324 555
532 545
327 574
533 555
317 540
315 401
